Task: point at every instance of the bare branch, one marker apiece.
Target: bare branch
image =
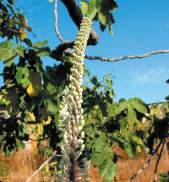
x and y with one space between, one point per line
157 162
41 167
56 21
116 59
147 164
58 52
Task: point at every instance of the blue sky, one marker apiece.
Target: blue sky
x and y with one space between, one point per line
141 26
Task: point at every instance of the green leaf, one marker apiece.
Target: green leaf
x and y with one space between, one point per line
20 50
138 104
40 44
6 51
28 42
122 105
50 95
129 149
22 76
108 170
164 177
101 151
13 98
100 143
117 137
131 114
123 123
84 7
99 156
45 51
137 140
93 8
102 18
92 13
94 4
6 45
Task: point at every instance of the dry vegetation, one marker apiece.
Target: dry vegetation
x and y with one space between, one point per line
23 163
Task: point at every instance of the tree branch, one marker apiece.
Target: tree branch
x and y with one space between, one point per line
41 167
157 162
76 15
116 59
146 165
56 21
58 52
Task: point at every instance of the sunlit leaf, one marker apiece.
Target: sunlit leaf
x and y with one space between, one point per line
45 51
108 170
102 18
20 50
138 104
129 148
84 6
22 76
40 44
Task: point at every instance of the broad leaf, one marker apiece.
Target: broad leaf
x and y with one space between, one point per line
45 51
40 44
93 8
20 50
164 177
84 7
101 150
122 105
22 76
131 114
102 18
138 104
50 94
129 148
6 51
99 156
137 140
108 170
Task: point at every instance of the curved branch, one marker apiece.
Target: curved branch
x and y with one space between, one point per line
58 52
116 59
56 21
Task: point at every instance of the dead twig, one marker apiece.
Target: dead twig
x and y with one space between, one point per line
56 21
120 58
41 167
146 165
158 161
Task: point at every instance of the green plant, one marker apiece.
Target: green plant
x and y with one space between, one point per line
83 125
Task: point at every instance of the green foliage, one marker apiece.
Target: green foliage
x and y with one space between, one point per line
7 53
107 123
164 177
100 10
12 23
22 76
108 170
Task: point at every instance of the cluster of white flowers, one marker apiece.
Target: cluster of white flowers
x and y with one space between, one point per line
71 112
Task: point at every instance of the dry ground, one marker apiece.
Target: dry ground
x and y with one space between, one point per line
22 164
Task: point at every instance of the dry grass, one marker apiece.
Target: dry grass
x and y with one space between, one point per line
23 163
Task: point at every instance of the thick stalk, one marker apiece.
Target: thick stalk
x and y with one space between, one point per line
73 122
